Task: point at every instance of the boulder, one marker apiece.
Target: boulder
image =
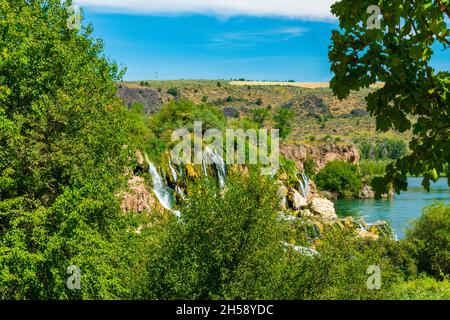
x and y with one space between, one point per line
324 208
297 200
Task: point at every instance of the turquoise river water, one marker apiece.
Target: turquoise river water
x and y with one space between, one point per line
401 210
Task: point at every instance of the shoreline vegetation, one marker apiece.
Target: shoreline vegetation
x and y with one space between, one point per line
87 185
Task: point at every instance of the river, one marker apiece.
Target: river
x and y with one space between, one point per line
401 210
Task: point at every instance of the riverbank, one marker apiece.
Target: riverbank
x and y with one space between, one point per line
400 210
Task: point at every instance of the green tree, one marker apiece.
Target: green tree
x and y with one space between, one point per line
173 92
430 235
340 176
228 246
283 121
63 137
414 96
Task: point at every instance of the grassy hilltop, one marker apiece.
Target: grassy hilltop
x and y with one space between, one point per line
318 115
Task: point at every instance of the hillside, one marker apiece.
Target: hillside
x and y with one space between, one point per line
318 114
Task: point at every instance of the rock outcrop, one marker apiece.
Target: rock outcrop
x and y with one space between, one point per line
320 154
297 200
324 208
138 198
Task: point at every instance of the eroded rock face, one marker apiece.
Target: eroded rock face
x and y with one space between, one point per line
138 198
324 208
321 155
297 200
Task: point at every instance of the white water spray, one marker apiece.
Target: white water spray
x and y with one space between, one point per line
162 192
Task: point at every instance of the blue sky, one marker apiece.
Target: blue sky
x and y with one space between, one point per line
257 42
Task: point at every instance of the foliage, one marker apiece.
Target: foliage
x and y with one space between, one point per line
228 246
283 121
63 138
182 114
309 166
381 149
341 177
260 116
414 96
369 168
424 288
141 133
430 236
339 272
173 92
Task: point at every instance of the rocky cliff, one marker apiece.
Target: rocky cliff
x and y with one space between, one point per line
321 154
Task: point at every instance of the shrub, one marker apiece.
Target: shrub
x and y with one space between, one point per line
229 245
182 114
259 102
173 92
430 235
421 289
373 168
260 116
309 167
341 177
283 121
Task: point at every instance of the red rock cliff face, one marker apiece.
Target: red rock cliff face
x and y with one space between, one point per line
321 154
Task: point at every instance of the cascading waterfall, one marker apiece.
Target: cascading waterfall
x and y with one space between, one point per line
180 192
212 157
305 189
162 192
173 171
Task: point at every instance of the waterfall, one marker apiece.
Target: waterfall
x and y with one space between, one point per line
180 192
174 172
305 189
162 192
213 157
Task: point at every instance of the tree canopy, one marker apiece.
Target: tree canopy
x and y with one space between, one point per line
415 96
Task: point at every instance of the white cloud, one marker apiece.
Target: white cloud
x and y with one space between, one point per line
301 9
250 39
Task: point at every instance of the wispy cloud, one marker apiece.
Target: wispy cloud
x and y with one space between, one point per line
301 9
250 39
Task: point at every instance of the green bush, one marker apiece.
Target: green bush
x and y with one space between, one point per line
430 236
421 289
309 167
369 169
283 121
173 92
260 116
341 177
182 114
381 149
228 246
